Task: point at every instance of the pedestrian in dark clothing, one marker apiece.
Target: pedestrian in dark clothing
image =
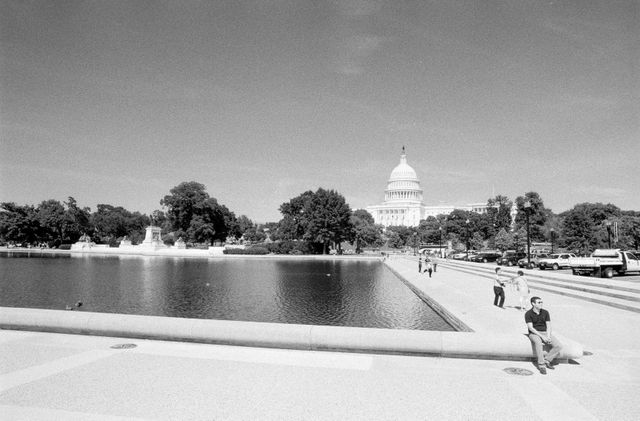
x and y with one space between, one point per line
538 323
498 290
420 265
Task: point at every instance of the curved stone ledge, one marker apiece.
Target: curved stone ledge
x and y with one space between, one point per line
277 335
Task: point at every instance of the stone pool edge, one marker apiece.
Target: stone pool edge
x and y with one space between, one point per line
448 317
471 345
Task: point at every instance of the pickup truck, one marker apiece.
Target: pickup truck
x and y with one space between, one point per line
604 262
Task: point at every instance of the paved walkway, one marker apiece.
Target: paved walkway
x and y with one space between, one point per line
466 290
47 376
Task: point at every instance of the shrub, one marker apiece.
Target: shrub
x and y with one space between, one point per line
250 250
293 247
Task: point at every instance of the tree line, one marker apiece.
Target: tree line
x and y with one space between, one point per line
321 220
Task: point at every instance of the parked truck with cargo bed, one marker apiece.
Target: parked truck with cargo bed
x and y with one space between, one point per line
605 262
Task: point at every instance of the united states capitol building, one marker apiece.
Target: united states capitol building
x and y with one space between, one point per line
403 200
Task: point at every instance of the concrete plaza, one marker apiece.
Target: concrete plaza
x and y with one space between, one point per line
51 376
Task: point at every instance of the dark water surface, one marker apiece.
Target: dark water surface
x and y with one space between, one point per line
358 293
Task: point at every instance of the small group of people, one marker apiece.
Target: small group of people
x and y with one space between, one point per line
431 265
519 283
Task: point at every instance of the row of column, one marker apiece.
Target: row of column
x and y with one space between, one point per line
402 195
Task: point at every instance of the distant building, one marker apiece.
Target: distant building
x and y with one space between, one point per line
403 200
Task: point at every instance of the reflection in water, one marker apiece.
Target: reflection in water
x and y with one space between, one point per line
322 292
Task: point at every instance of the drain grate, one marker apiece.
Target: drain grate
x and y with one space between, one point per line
518 371
123 346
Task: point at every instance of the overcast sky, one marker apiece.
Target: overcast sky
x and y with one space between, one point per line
119 101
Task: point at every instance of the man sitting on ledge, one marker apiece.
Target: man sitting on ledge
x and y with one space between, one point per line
539 323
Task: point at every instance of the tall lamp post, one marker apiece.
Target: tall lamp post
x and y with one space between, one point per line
553 234
608 224
527 207
440 241
468 235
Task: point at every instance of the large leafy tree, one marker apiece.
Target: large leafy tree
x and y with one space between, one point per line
578 230
393 239
537 215
294 222
477 241
19 224
329 219
183 202
366 232
520 239
499 213
400 236
244 224
52 219
629 231
584 227
77 220
112 223
321 217
461 225
429 230
503 240
62 222
191 212
248 230
255 234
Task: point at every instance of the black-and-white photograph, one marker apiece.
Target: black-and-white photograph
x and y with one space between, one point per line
319 210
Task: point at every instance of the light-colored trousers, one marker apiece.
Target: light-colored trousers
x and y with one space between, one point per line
538 348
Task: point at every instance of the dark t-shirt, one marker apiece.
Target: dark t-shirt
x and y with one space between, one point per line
539 321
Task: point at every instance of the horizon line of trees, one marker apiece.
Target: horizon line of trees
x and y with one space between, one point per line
316 222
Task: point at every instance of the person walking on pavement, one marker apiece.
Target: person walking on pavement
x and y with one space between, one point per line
538 322
434 260
429 268
498 290
419 264
522 289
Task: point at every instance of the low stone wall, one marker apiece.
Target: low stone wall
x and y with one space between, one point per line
275 335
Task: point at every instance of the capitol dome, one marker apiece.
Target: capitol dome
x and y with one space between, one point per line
403 171
403 184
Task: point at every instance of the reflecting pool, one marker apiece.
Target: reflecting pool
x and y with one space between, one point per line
357 293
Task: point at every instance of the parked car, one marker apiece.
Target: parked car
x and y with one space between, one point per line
555 261
486 256
470 255
510 258
535 259
459 255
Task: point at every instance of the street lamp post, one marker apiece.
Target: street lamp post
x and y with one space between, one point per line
553 233
440 241
468 235
527 207
608 224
